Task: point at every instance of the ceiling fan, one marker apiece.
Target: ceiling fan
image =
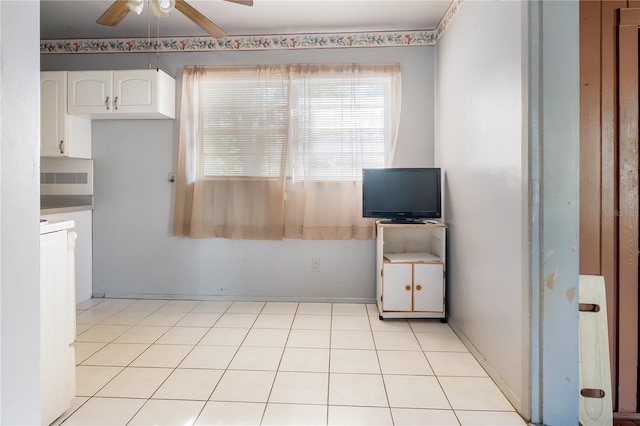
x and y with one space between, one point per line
161 8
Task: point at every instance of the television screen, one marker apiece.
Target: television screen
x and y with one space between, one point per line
401 194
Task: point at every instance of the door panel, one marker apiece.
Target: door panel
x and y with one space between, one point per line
395 280
609 189
89 92
628 208
134 90
428 287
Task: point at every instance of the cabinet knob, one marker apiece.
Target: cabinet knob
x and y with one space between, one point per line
418 287
115 103
408 287
106 103
61 147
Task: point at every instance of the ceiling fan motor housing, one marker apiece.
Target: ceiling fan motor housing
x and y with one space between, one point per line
162 8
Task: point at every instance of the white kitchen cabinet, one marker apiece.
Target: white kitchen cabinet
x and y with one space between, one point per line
124 94
410 276
61 134
57 319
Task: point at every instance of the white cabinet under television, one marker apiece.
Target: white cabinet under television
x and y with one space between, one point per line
410 270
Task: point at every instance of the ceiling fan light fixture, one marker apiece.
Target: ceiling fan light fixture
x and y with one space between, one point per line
135 6
162 8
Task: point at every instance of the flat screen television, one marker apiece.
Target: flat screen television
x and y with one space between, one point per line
401 194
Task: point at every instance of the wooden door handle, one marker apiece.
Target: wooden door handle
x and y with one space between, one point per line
408 287
418 287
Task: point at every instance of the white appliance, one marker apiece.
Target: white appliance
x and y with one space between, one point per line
57 318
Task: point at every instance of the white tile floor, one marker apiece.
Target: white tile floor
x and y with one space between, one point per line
157 362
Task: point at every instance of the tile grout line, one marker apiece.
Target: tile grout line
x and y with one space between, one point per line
133 360
234 354
296 313
176 367
329 366
225 370
266 404
125 367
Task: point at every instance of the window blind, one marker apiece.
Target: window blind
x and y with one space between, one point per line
332 126
339 126
243 126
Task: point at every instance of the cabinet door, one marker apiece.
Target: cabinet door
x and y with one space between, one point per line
61 134
90 92
396 287
135 91
428 284
53 111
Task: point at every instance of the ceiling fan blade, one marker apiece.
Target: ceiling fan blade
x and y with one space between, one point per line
244 2
199 19
114 14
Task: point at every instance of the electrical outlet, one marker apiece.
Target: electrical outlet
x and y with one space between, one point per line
315 264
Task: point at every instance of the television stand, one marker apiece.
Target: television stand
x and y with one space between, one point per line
410 269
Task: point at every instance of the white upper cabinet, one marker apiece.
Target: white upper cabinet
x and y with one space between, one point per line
61 135
127 94
90 92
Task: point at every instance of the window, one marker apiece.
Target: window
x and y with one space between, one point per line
244 119
340 126
282 147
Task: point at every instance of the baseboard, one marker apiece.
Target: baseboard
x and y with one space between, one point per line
225 298
493 374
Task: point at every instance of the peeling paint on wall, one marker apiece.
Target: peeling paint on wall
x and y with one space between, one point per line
571 293
551 280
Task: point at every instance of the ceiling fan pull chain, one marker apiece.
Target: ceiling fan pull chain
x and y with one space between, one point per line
158 44
148 34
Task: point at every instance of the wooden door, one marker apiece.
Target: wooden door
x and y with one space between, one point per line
628 24
609 192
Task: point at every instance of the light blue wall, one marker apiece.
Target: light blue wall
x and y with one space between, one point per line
481 145
19 211
134 253
555 89
507 121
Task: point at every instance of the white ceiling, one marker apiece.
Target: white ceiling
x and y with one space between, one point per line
77 18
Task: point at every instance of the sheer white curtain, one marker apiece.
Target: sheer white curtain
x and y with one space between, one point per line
343 118
271 152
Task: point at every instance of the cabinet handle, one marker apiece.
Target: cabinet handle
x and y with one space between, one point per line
418 287
115 103
408 287
106 103
61 147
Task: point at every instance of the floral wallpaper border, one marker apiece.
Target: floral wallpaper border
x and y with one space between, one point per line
266 42
446 20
